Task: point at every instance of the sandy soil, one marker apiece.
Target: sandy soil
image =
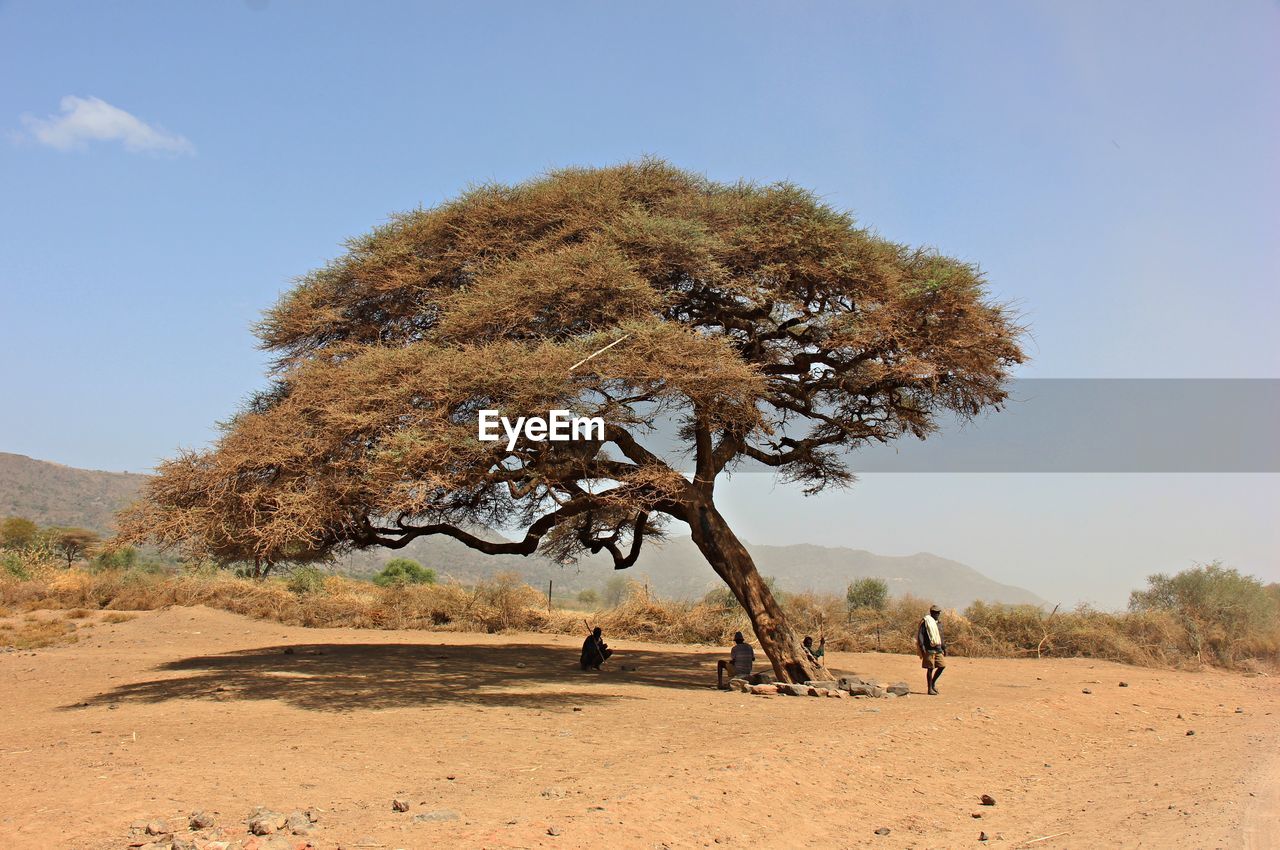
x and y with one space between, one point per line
191 708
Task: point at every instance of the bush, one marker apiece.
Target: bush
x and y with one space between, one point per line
588 597
870 593
402 571
305 580
1226 615
122 558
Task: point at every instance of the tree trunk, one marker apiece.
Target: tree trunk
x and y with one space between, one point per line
731 561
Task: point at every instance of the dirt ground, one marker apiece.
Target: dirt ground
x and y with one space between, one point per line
191 708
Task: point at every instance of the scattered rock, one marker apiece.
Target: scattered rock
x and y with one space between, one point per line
180 842
398 805
899 689
263 821
884 830
838 694
988 800
825 683
761 678
764 689
1190 732
437 815
553 830
577 708
739 685
200 820
553 793
520 664
982 836
1124 684
878 691
1239 710
822 692
299 824
1086 691
976 815
846 681
159 826
313 815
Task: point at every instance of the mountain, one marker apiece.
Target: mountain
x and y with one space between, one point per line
676 569
52 494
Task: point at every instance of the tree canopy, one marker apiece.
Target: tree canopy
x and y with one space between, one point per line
773 327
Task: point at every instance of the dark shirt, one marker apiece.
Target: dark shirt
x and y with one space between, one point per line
593 652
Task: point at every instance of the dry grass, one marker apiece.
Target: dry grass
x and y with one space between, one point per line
506 604
34 632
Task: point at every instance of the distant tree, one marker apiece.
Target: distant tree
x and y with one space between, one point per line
1218 606
774 327
74 543
18 533
867 593
588 597
615 590
404 571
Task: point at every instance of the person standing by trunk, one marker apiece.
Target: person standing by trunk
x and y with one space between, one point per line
932 648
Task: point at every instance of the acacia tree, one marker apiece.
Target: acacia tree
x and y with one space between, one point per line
769 325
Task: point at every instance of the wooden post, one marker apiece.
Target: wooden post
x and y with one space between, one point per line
549 595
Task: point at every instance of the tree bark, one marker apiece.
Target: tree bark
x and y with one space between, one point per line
731 561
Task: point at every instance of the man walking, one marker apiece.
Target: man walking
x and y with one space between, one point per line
932 648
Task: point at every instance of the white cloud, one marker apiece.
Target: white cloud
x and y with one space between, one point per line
90 119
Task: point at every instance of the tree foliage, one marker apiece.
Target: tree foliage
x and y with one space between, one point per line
18 533
74 543
867 593
771 326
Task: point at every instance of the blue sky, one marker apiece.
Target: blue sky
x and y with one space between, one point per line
1111 166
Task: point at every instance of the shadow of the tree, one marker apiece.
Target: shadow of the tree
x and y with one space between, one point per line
346 677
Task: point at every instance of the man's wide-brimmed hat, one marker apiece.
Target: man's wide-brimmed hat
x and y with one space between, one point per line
934 609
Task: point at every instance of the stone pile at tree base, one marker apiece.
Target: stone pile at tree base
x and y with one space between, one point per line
762 684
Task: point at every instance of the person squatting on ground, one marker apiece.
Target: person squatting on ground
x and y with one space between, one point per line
932 648
741 659
594 651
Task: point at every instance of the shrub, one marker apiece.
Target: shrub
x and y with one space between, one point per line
305 580
402 571
120 558
588 597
